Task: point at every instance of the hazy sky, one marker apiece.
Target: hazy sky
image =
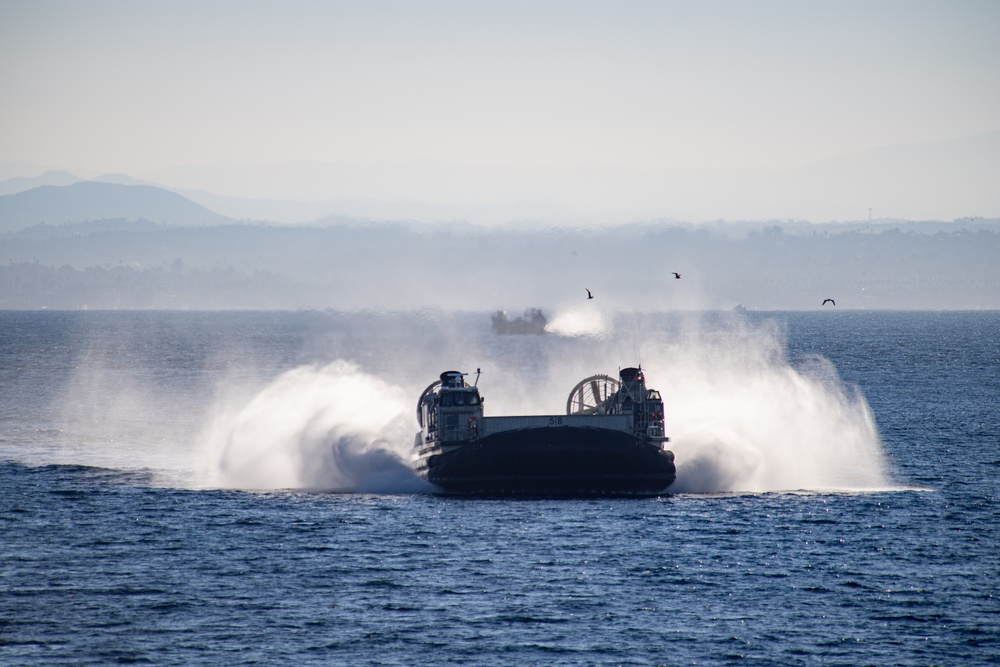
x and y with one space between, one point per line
135 86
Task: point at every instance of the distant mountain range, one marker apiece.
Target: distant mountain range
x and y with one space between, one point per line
93 200
944 180
263 209
18 184
21 183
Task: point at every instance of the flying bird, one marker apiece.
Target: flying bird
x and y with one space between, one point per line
677 276
829 300
589 295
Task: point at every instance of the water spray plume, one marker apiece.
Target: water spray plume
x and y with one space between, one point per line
742 418
328 428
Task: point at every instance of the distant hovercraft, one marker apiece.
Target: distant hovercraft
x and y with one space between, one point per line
533 322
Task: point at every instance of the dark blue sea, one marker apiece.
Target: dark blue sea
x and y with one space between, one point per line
232 488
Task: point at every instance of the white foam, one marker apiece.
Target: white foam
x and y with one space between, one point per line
329 428
742 418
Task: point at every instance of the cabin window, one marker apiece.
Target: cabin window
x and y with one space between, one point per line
653 395
447 400
473 398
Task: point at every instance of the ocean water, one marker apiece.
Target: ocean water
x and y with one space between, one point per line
232 488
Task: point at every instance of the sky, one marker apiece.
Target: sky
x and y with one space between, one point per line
540 86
